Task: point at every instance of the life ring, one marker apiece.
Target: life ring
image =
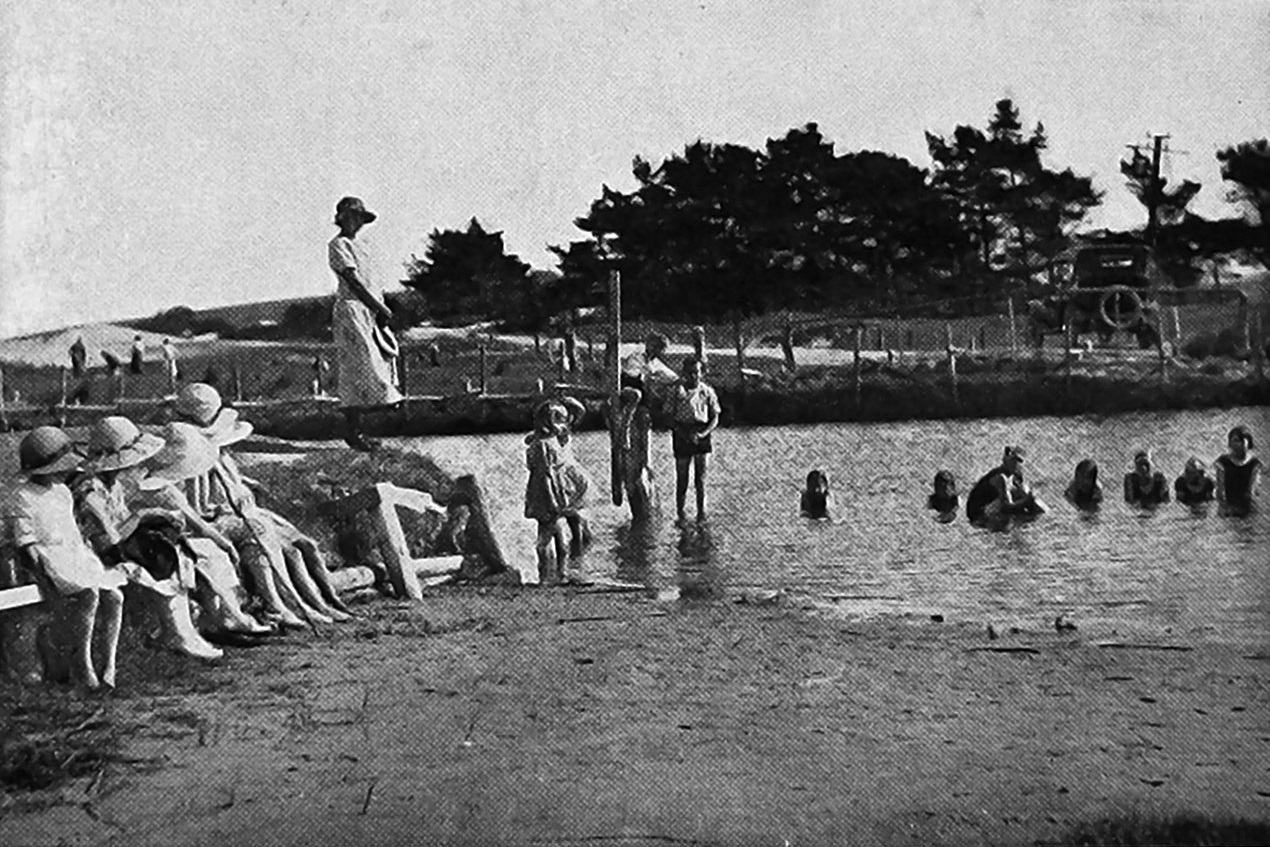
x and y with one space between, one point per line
1120 308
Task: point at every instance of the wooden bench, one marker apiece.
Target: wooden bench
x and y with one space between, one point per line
22 610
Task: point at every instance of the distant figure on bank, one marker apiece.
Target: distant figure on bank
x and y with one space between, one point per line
696 415
1238 473
1194 486
1001 493
365 349
1144 485
320 367
944 497
112 362
1084 491
169 364
816 498
138 362
79 357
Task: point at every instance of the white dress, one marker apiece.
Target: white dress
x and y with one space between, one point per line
44 515
366 376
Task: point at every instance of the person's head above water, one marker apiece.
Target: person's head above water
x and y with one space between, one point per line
1239 440
1142 464
1086 475
1195 471
945 483
818 481
1012 459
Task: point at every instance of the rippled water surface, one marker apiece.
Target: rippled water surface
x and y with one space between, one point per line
1172 574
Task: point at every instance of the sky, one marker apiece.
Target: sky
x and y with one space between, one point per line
159 154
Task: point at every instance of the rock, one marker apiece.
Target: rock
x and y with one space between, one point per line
992 633
937 618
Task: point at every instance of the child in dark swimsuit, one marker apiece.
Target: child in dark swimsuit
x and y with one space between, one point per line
1144 485
944 499
1085 491
816 498
1238 473
1194 486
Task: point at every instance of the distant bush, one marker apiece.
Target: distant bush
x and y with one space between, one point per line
1228 342
183 322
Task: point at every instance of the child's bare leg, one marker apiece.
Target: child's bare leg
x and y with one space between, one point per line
256 561
286 588
81 610
562 550
315 562
681 485
700 463
179 632
111 603
305 585
545 548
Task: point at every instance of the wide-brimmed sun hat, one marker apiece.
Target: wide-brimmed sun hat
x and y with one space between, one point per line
115 443
200 404
353 206
47 450
186 453
1014 452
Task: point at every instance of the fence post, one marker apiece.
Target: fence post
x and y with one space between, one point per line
1177 329
855 368
983 338
739 341
1164 359
121 387
1259 344
1014 338
1067 358
482 382
61 402
237 377
4 411
403 372
952 363
787 347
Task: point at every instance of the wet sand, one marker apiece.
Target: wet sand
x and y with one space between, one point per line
558 716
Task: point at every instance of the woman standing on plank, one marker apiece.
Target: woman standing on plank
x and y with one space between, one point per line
365 348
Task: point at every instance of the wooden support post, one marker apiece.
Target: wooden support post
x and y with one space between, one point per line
237 376
1177 329
1161 345
787 348
482 385
61 401
616 483
983 338
908 340
951 352
739 341
480 530
1014 338
1259 343
1068 341
403 373
4 412
855 368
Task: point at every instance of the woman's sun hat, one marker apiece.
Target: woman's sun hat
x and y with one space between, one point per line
200 404
47 450
186 453
115 443
353 206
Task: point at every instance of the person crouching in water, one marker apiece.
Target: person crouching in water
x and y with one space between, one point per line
1238 473
1194 487
118 533
815 500
944 498
1084 491
545 493
304 573
1001 493
1144 485
40 512
696 415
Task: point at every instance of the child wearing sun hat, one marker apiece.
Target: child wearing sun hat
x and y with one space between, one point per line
40 516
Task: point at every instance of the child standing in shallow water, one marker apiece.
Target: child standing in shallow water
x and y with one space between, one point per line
1084 491
546 499
1144 485
944 498
696 414
816 498
1194 486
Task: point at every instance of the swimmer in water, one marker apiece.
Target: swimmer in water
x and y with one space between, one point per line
1194 486
1238 473
1002 493
1144 485
816 498
1084 491
944 498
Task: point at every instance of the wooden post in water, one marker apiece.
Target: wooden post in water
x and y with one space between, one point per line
482 385
615 388
855 368
61 401
1014 338
951 352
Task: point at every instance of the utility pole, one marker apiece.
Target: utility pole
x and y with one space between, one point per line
1155 189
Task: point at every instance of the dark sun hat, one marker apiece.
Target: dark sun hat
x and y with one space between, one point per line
353 206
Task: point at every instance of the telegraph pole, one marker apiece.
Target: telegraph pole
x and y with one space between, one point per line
1155 189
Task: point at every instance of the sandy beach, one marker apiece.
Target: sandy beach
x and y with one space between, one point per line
568 716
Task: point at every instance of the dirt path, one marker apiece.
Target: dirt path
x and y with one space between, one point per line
558 717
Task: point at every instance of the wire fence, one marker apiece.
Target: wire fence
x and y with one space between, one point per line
945 346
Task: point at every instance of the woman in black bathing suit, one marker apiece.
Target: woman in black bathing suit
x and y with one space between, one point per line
1238 472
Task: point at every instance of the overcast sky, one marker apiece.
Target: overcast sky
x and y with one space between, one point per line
160 153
